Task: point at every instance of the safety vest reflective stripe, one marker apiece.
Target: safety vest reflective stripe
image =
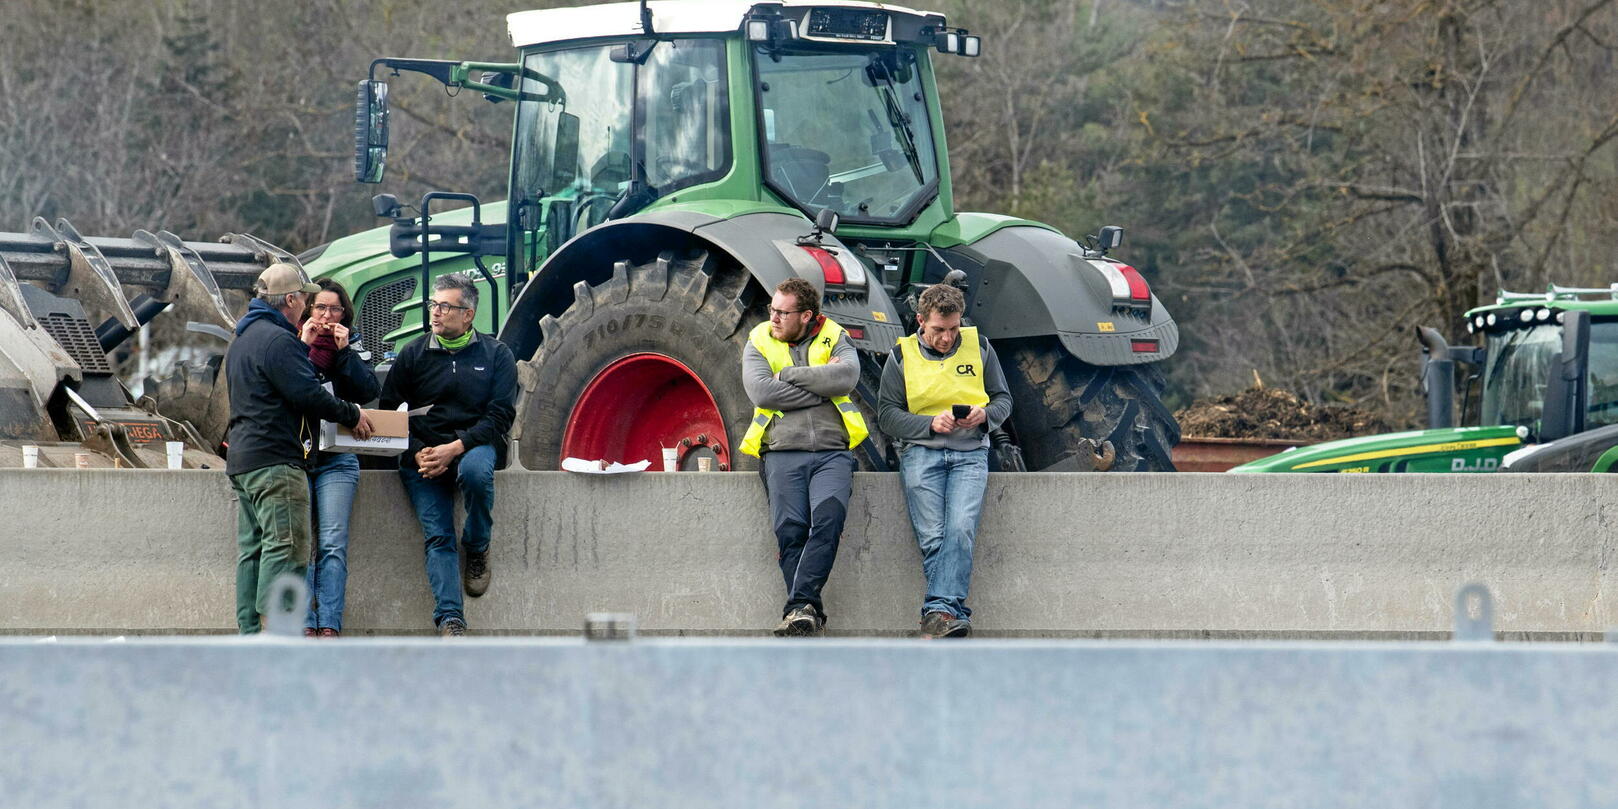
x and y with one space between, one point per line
931 386
779 355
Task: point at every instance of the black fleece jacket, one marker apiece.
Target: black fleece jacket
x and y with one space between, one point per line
473 392
275 399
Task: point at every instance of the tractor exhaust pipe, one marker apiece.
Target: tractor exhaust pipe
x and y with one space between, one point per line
1437 378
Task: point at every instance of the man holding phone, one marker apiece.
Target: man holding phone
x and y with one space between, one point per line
942 392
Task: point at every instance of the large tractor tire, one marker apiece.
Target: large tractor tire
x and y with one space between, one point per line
1071 416
650 358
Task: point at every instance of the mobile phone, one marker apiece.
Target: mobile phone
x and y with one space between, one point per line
961 411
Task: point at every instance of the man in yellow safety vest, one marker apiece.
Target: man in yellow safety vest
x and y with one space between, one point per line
798 370
942 392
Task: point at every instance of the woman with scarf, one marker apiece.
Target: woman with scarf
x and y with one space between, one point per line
328 330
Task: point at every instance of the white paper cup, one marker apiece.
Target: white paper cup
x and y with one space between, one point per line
704 464
176 453
671 459
81 460
30 457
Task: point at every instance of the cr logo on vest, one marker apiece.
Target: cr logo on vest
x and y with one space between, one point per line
965 370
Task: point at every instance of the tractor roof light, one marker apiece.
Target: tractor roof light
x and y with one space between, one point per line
1527 315
1491 319
958 42
1478 321
1542 315
767 27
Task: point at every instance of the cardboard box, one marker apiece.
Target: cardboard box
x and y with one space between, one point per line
390 434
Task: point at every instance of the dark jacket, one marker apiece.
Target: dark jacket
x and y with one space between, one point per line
351 379
473 393
275 400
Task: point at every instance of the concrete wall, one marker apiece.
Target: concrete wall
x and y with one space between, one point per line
517 722
1058 554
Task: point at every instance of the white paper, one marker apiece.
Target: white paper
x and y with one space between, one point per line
584 467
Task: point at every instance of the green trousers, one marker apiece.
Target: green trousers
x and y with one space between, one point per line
272 536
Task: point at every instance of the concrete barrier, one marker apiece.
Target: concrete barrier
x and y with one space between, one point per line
1088 555
215 722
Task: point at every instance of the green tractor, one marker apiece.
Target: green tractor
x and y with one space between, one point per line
673 162
1549 396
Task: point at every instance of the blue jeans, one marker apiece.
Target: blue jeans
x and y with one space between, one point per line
944 492
331 491
434 501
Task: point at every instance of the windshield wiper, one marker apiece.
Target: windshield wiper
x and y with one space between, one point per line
899 120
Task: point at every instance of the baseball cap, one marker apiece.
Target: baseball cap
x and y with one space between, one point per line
282 278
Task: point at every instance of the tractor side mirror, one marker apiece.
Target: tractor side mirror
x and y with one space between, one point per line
1110 238
370 131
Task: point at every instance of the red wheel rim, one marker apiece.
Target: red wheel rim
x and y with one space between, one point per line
638 405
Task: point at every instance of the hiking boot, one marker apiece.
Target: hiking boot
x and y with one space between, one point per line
801 621
944 625
309 632
328 632
475 574
452 628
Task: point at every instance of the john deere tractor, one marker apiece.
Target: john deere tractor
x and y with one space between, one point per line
1548 398
673 162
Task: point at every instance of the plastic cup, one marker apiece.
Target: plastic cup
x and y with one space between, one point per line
30 457
176 453
671 459
704 464
81 460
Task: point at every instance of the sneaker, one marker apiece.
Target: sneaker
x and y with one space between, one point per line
452 628
944 625
800 622
475 574
309 632
328 632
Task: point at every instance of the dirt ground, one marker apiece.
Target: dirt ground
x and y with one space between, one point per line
1275 413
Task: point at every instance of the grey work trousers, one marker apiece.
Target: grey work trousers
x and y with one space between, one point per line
809 494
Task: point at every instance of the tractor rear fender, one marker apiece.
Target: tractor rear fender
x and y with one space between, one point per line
764 243
1029 281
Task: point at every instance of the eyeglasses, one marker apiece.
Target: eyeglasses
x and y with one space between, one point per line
439 307
327 308
780 313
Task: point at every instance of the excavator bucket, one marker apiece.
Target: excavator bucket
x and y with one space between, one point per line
58 390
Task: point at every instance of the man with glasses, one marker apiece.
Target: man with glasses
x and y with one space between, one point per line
274 401
799 369
470 381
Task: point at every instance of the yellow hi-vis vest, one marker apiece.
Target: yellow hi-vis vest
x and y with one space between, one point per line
779 355
931 386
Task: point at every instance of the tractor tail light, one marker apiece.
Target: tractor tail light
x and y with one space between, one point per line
828 265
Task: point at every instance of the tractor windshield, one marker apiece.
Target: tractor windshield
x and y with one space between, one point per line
575 156
849 132
1517 368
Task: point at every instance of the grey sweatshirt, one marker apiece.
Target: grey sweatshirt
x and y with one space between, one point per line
898 423
809 421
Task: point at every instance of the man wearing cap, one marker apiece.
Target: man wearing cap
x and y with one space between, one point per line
275 405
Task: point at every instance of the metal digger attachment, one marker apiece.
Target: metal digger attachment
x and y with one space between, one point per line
57 386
